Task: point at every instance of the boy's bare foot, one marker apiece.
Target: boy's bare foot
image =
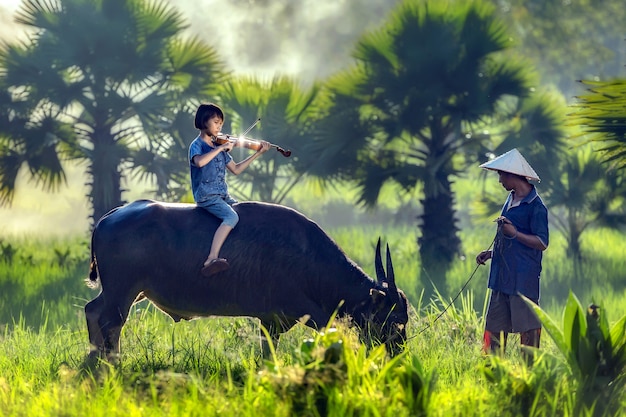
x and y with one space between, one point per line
214 266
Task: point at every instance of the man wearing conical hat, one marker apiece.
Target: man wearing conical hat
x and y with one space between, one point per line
521 238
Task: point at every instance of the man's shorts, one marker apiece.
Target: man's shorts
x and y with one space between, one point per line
509 314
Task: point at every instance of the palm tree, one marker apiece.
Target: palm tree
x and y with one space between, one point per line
285 110
97 83
585 195
414 109
602 114
29 134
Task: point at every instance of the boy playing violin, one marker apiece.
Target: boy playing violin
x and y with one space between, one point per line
208 162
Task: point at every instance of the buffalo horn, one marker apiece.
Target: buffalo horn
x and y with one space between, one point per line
380 272
391 277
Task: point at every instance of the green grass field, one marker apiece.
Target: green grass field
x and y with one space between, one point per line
212 366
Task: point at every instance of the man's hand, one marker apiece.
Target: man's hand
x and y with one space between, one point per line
507 227
483 257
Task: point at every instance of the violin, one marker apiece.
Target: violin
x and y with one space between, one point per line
244 142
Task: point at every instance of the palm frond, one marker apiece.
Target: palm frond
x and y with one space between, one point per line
10 164
39 14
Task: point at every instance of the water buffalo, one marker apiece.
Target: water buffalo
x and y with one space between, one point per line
283 267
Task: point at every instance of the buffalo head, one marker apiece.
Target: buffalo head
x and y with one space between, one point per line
384 316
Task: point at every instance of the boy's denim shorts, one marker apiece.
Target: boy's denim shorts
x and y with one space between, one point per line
220 207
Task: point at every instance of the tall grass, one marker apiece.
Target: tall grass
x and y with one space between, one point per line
42 281
213 366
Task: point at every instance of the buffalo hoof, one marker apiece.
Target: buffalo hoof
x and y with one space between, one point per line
215 266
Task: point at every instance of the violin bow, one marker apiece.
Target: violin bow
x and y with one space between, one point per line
251 127
286 153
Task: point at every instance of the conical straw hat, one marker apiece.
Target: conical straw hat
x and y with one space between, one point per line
512 162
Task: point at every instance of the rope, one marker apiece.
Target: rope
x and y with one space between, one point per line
456 296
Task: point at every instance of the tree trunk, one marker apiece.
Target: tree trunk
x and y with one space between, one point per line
574 251
105 172
439 243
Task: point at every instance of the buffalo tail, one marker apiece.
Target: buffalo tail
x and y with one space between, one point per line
92 281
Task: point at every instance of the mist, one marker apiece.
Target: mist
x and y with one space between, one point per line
307 39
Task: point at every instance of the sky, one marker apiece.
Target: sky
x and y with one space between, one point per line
305 39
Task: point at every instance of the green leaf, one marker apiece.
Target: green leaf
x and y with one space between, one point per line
574 324
557 335
618 343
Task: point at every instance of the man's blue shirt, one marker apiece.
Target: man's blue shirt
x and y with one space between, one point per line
209 180
515 267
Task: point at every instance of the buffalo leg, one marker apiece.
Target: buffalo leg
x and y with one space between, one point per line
274 334
104 322
274 326
93 310
111 323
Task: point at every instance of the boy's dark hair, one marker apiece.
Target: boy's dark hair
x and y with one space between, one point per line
205 112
